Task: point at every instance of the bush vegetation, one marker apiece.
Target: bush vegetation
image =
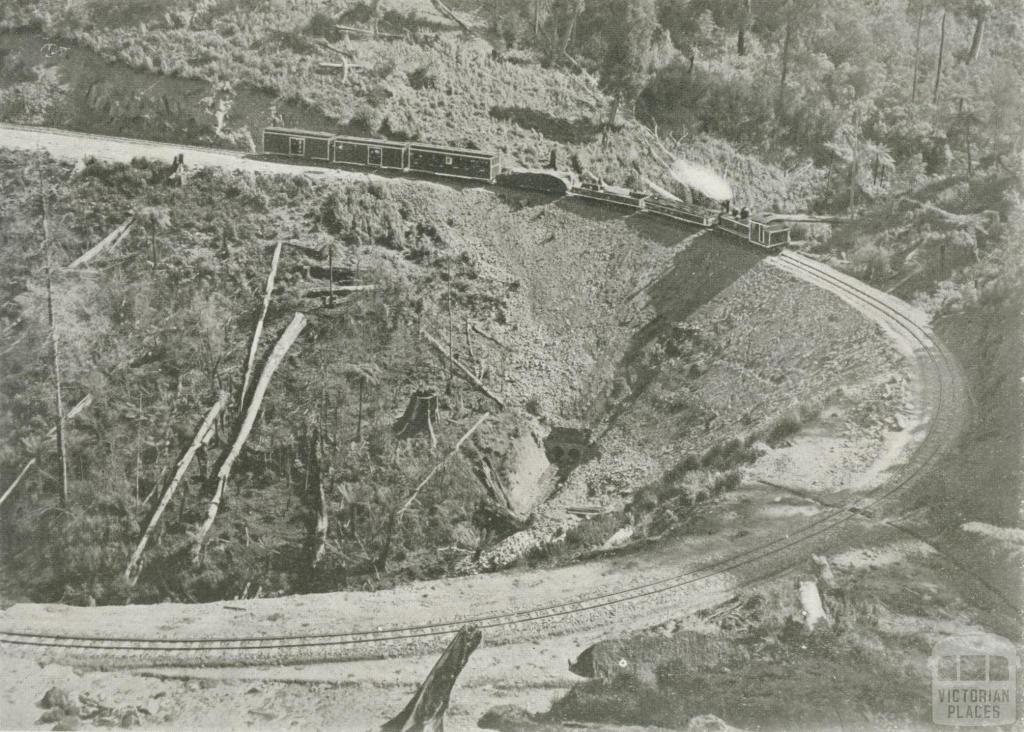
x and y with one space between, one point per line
853 669
162 324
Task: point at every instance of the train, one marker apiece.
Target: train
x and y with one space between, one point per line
326 148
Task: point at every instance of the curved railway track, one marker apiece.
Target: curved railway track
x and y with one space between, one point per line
647 602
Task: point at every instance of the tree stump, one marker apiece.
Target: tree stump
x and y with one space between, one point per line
425 711
421 414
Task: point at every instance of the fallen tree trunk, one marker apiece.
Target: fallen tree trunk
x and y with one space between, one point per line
320 292
425 711
75 411
465 372
416 491
250 363
287 339
203 434
396 518
488 336
108 242
448 13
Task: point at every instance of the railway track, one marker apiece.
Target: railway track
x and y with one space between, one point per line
645 602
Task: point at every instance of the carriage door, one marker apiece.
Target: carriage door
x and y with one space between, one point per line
296 146
373 155
757 233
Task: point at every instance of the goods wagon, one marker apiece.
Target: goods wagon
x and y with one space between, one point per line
302 144
373 153
452 161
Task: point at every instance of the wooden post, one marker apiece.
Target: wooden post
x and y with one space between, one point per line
290 335
258 331
202 436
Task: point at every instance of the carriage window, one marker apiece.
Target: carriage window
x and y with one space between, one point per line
296 146
448 160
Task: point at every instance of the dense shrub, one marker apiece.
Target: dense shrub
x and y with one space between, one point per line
423 77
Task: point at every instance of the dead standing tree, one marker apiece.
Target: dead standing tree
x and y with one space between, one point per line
54 353
315 491
425 711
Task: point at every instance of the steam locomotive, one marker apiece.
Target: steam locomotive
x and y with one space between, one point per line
325 148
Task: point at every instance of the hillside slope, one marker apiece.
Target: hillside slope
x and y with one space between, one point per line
542 298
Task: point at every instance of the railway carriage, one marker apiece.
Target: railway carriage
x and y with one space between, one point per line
371 153
453 162
302 144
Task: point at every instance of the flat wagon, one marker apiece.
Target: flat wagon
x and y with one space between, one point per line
611 194
681 211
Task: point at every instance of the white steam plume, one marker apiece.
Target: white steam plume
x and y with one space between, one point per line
703 179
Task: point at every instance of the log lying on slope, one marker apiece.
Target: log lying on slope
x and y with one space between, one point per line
396 517
285 342
108 242
425 711
257 333
463 370
203 435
